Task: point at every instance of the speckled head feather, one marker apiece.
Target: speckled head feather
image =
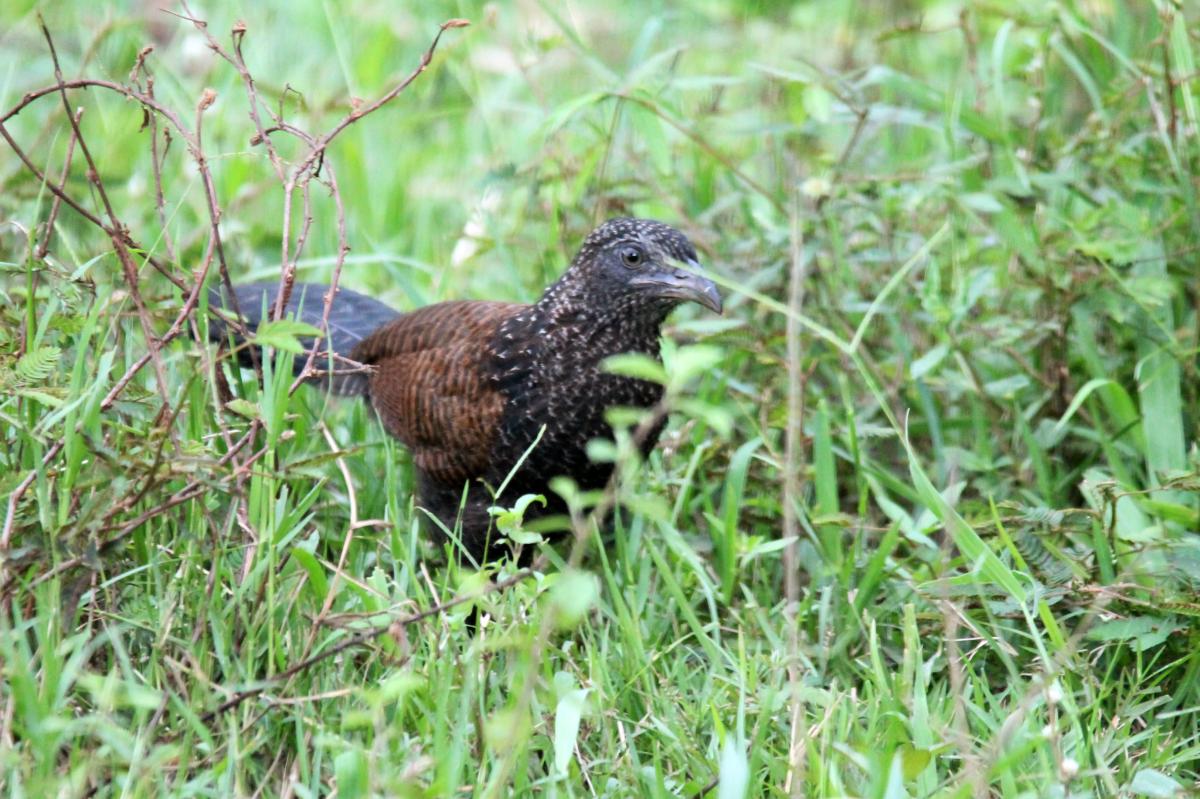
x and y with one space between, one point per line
663 240
635 270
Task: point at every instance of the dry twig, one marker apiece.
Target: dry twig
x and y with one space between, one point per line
299 178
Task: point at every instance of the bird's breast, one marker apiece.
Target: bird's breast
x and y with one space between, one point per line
559 397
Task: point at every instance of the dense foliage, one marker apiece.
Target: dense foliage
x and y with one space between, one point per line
951 409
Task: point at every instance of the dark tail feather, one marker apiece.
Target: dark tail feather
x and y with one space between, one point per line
352 317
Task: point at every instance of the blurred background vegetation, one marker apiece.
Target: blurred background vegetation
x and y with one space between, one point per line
981 220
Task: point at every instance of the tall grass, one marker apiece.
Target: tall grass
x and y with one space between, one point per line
998 528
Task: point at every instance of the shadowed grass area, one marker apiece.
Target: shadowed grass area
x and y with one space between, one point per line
954 397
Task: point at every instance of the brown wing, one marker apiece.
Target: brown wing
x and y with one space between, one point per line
430 387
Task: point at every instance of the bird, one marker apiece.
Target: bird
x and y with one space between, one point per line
486 393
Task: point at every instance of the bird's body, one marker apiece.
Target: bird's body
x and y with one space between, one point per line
470 386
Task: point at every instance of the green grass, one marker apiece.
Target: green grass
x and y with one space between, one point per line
993 211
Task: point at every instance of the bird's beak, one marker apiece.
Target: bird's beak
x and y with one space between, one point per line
682 284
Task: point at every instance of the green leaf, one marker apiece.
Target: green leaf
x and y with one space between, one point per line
317 583
351 772
1160 384
982 202
725 534
1155 784
44 397
927 362
818 102
715 416
36 365
567 715
1080 396
564 112
244 407
631 364
1006 387
572 597
510 520
1140 632
283 334
733 777
685 363
973 548
914 760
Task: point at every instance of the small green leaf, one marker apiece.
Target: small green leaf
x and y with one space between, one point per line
818 102
525 537
715 416
351 773
244 407
317 583
567 715
1081 395
914 760
573 596
36 365
601 450
734 775
928 362
1155 784
1006 387
283 334
688 362
44 397
1140 632
631 364
509 520
982 202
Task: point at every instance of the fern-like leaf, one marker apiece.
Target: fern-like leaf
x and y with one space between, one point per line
1041 560
35 366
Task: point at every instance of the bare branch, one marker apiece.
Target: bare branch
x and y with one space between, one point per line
310 166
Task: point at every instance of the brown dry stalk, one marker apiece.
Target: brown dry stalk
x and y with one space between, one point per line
794 457
124 244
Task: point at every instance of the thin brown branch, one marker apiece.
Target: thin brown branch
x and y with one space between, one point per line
117 238
238 35
310 166
193 489
76 206
794 457
156 157
43 245
15 497
331 291
117 233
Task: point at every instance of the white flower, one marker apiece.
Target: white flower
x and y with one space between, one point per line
1054 693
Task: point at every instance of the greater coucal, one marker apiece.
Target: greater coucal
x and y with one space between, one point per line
468 385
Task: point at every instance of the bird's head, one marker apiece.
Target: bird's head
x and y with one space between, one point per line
640 263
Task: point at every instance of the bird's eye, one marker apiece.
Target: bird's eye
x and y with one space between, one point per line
632 256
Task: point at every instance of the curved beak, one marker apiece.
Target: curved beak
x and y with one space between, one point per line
682 284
